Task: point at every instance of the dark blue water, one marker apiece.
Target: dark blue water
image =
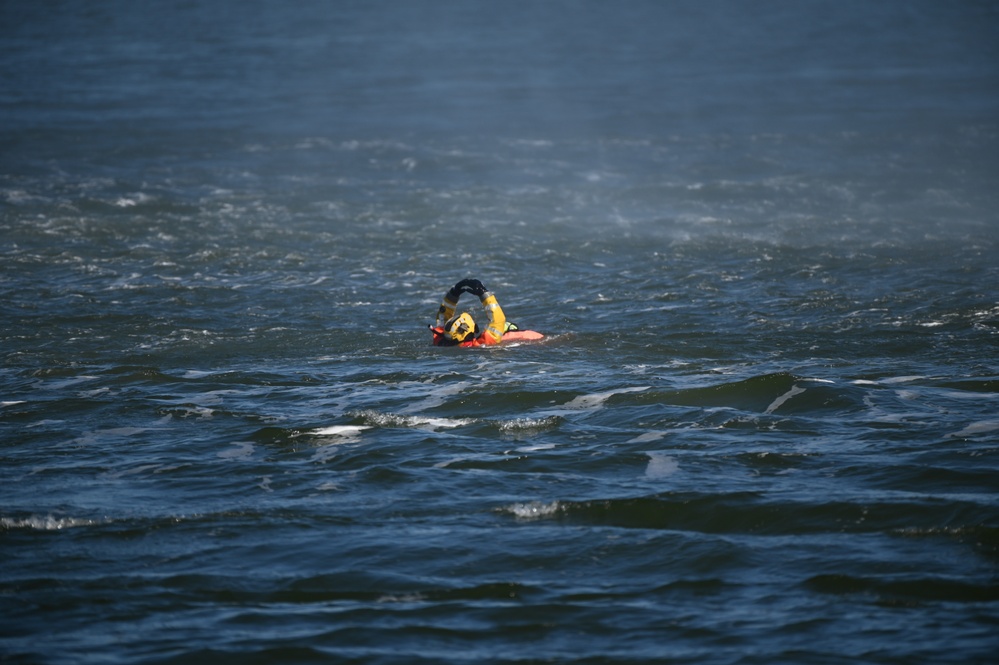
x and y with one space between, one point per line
761 239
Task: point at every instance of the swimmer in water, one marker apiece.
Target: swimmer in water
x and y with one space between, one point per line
461 329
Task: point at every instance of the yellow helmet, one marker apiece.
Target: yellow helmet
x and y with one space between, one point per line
459 328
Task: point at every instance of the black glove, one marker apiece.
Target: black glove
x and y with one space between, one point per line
472 286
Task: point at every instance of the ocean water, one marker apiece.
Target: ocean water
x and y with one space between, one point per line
761 239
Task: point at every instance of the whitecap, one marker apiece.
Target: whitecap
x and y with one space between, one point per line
534 510
201 412
439 423
528 425
420 422
44 523
340 430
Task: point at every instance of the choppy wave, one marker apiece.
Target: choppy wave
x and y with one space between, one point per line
45 522
752 512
